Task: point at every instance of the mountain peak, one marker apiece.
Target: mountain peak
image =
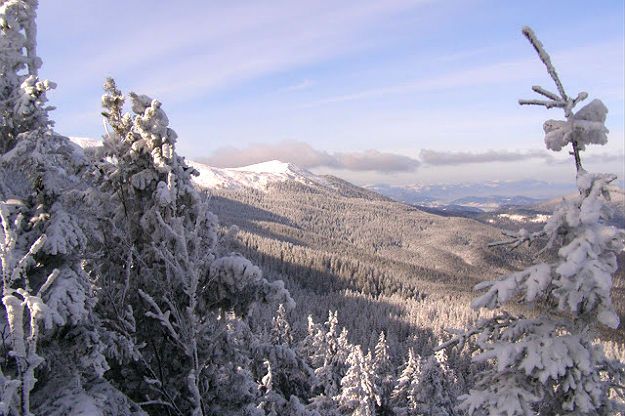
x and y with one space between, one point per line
276 167
257 176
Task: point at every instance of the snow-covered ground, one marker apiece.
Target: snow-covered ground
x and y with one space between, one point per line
538 218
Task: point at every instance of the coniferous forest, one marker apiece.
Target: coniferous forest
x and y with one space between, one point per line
127 289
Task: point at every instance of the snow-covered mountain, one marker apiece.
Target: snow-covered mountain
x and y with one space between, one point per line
258 176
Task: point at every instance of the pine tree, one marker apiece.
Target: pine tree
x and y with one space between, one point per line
384 374
549 364
22 94
408 380
358 394
281 330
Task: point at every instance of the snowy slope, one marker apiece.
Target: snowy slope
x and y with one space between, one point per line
257 176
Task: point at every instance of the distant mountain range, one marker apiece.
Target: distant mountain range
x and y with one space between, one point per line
460 198
485 196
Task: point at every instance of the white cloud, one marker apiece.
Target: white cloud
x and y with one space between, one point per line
432 157
303 85
305 156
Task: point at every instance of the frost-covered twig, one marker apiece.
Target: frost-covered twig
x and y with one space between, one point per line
517 238
460 339
162 318
544 57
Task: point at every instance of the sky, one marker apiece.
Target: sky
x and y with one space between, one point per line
396 91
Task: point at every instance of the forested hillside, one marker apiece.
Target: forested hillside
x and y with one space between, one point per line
363 255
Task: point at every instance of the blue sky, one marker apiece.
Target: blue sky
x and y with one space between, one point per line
396 92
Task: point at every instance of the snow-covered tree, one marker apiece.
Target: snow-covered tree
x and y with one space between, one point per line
424 387
291 372
275 404
163 258
359 396
22 95
431 394
335 350
549 364
384 372
281 329
312 345
406 382
411 370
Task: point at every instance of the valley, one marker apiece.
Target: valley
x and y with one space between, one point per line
342 247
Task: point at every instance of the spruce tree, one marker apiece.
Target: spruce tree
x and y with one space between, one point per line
549 363
402 397
334 357
384 373
358 394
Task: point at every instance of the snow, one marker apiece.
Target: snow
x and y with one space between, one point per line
538 218
85 142
258 176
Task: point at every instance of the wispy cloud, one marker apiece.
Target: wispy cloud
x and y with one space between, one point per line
485 75
488 74
303 85
182 55
436 158
305 156
373 160
600 158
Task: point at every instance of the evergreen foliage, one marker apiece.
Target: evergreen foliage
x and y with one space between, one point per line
549 364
